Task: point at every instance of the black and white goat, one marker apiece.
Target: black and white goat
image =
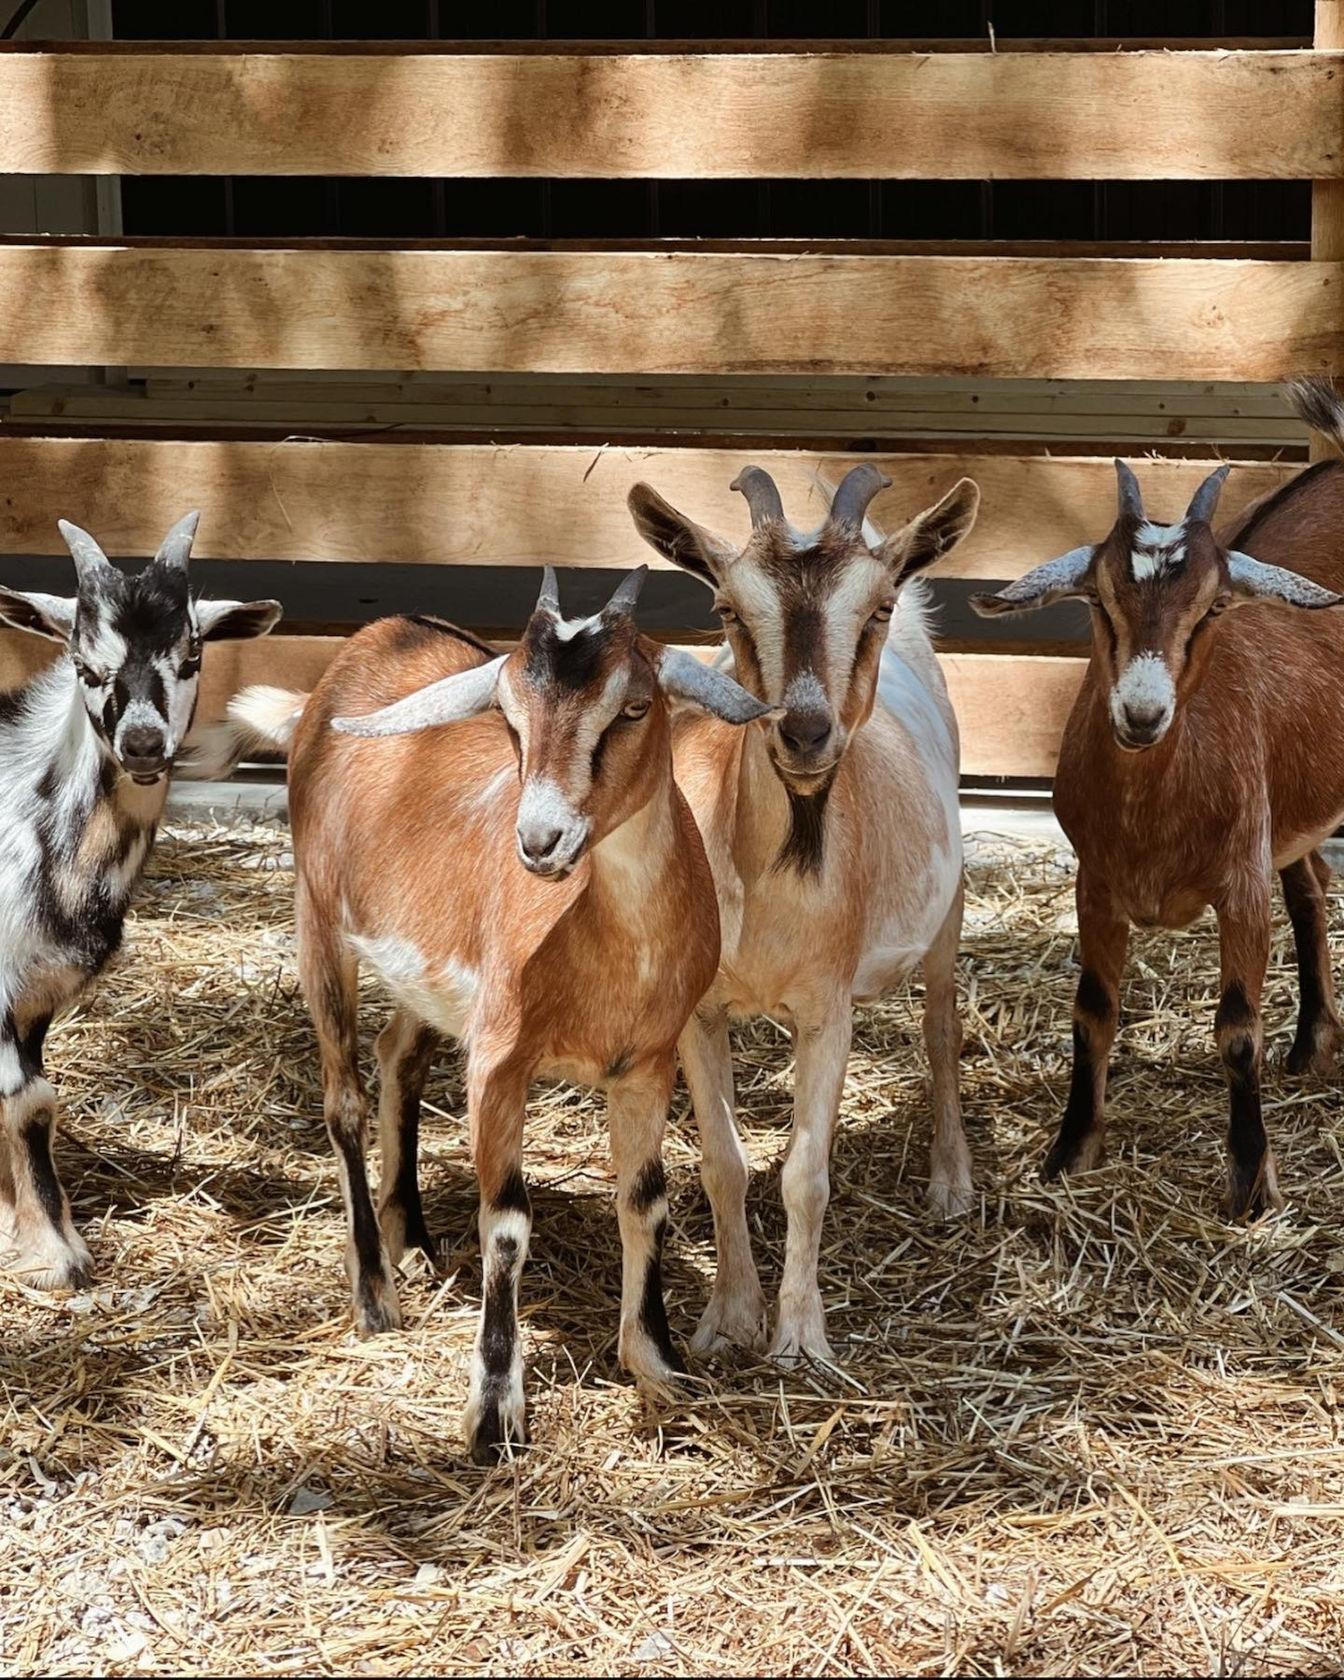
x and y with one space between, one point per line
86 751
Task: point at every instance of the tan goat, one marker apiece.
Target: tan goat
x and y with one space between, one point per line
1203 754
529 881
835 842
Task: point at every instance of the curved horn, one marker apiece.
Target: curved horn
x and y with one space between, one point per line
762 495
1129 498
175 549
88 557
622 603
1205 499
549 599
857 489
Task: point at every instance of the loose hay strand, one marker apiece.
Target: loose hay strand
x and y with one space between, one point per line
1091 1429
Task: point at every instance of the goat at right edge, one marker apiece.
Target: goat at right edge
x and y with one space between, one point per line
1201 756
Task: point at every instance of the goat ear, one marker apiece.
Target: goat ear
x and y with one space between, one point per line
1254 581
466 694
46 615
935 532
677 538
1057 580
236 620
682 676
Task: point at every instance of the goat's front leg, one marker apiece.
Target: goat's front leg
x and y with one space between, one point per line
637 1116
821 1055
1318 1025
1243 946
329 976
736 1311
51 1253
950 1190
496 1412
406 1049
1103 938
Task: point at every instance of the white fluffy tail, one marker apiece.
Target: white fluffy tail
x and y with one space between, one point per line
259 719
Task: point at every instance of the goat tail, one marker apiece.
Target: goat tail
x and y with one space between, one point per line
259 719
1316 402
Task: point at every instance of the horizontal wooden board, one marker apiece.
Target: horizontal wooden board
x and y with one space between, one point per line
1011 708
531 505
669 312
888 114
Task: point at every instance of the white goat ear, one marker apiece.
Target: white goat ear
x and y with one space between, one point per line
935 532
465 694
1252 580
684 677
1061 579
46 615
236 620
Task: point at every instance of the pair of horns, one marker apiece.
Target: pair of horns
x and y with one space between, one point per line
174 550
621 605
1202 504
856 489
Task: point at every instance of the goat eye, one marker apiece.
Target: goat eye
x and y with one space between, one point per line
882 615
636 709
87 674
725 612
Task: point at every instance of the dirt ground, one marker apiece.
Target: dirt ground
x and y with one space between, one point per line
1092 1429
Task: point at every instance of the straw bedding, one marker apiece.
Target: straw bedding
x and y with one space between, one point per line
1091 1430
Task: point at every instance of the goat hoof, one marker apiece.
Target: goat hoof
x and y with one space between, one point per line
494 1426
802 1335
950 1198
57 1266
1250 1196
731 1321
376 1308
1314 1051
1067 1157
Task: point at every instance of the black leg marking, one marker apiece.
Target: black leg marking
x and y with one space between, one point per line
652 1312
1247 1142
1303 893
512 1197
499 1341
1092 1008
411 1072
650 1186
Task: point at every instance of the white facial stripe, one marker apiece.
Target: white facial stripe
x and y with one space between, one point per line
1157 548
1145 688
548 824
758 606
805 694
567 628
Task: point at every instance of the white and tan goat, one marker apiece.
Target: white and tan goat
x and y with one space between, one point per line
528 880
835 842
1205 752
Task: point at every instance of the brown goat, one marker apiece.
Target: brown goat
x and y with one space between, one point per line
1202 754
528 880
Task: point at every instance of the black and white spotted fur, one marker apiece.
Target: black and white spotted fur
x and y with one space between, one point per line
86 752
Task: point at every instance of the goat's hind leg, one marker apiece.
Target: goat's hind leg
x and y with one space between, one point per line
406 1049
51 1253
1318 1026
329 975
950 1189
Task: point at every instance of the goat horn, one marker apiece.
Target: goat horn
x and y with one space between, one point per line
762 495
857 488
549 599
622 603
175 549
1205 499
1129 496
88 557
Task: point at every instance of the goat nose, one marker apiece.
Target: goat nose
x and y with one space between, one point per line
1143 718
538 843
805 731
142 742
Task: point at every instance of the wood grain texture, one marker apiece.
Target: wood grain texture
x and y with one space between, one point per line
534 504
893 114
667 312
1011 708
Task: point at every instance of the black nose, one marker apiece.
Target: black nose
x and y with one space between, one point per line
1143 720
538 843
142 744
805 732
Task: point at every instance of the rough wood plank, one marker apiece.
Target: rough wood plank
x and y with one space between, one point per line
892 114
668 312
1011 708
527 505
